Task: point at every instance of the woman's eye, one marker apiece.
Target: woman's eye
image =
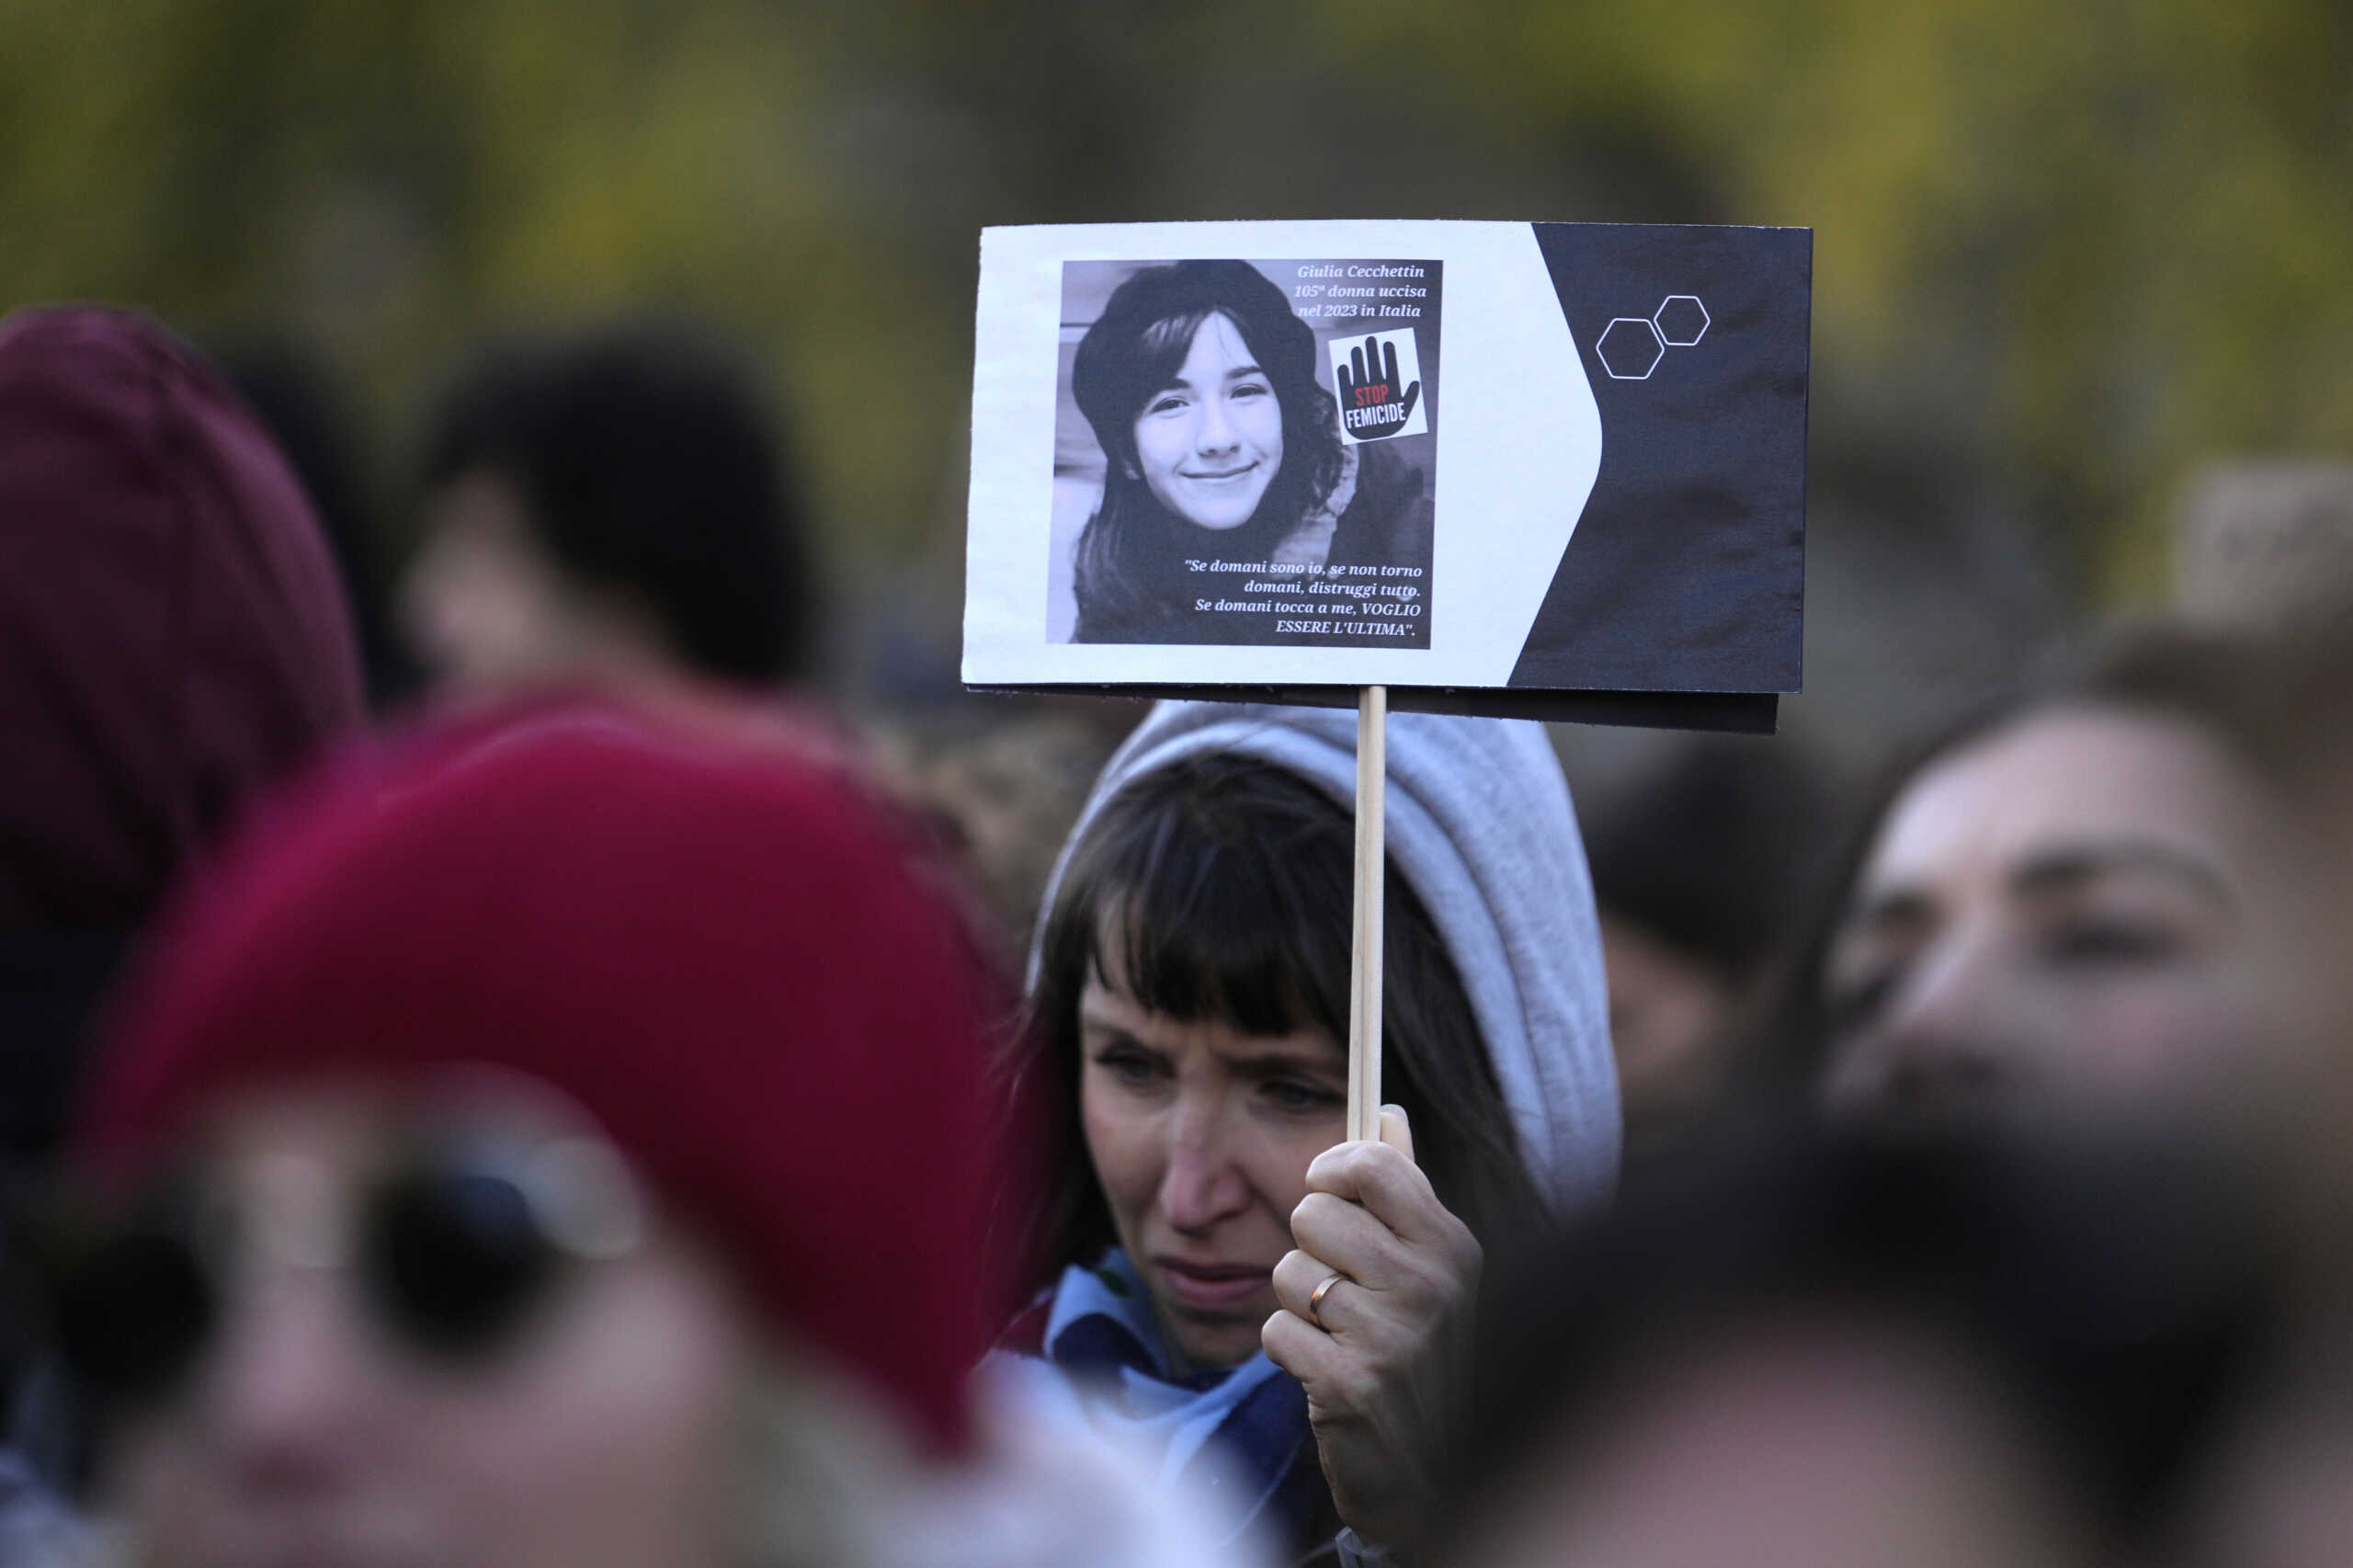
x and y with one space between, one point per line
2111 942
1164 403
1128 1066
1252 389
1850 1006
1291 1095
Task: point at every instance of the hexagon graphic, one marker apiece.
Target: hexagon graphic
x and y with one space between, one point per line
1681 320
1631 348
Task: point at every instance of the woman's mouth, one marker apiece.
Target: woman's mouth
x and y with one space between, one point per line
1221 476
1212 1287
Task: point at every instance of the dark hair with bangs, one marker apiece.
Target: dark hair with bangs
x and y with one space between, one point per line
1135 349
1225 881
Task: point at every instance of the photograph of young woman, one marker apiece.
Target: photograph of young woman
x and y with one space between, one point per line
1219 441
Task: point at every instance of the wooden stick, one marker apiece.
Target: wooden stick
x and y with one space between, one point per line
1372 858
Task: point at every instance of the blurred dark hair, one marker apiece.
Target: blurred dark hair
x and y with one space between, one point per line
1714 850
646 461
1134 350
2279 709
297 398
1226 880
2116 1290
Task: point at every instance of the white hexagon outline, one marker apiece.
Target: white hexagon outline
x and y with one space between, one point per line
1649 326
1706 321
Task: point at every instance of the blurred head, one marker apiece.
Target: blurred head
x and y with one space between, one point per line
497 1153
2089 901
1831 1354
1202 389
1831 1440
606 505
1190 1001
172 638
1703 865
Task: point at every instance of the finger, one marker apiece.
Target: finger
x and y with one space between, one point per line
1355 360
1296 1278
1304 1351
1389 364
1339 1236
1390 1187
1396 1131
1411 393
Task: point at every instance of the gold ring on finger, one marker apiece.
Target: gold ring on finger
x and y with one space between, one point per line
1316 1298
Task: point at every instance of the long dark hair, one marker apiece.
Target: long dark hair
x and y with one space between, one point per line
1135 349
1230 878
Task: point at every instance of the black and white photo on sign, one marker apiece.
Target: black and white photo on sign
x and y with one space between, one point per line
1244 452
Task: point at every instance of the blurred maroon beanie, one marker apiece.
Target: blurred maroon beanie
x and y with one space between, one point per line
173 633
730 957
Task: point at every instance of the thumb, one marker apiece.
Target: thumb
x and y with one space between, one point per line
1395 1131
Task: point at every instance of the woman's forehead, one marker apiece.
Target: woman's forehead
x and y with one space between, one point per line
2074 779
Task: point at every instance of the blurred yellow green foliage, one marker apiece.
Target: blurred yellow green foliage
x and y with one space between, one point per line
2085 246
2126 227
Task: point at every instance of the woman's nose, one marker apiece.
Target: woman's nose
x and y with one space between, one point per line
1214 431
1949 1043
1202 1184
293 1384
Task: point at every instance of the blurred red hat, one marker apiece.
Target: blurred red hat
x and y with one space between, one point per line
730 957
173 633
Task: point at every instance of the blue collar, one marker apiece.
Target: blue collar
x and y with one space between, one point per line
1244 1426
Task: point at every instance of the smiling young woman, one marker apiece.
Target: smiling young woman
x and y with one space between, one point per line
1189 996
1219 437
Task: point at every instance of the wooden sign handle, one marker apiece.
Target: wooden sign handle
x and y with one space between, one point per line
1364 971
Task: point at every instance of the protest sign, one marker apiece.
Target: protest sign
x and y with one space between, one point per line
1553 470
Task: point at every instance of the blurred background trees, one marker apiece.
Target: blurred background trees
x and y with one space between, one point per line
2063 255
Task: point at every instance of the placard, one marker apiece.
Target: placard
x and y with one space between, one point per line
1541 469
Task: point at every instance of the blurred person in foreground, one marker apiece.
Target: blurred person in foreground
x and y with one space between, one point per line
562 1141
2120 900
1222 1276
1704 864
612 508
1810 1353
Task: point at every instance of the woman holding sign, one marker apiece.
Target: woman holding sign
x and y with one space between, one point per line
1221 1282
1220 441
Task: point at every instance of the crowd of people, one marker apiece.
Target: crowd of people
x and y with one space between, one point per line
499 1071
